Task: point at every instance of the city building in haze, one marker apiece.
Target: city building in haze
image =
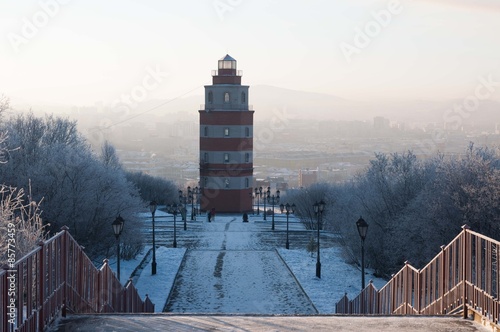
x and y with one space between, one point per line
307 177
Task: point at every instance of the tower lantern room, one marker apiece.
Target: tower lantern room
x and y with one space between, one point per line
226 72
227 62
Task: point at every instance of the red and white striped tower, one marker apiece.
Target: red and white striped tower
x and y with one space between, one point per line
226 142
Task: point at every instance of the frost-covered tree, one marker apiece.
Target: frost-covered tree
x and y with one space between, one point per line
20 222
304 199
109 156
153 188
79 189
414 206
473 183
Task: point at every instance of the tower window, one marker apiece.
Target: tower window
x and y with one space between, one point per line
205 157
226 183
205 182
247 132
247 183
243 98
210 97
226 97
226 132
226 157
205 131
247 157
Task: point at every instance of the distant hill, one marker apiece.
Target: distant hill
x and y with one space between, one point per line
266 100
269 101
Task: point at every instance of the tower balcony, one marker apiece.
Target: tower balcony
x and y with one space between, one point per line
226 107
227 72
226 76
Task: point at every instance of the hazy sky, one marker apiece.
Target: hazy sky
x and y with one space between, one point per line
83 51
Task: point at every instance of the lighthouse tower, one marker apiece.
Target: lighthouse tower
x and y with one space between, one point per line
226 142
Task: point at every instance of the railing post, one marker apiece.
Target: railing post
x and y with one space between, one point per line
5 298
418 292
97 292
405 288
442 277
105 284
465 250
41 286
64 268
392 294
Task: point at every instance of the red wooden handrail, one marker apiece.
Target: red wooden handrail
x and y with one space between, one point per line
58 277
464 275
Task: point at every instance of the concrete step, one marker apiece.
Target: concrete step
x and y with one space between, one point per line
169 322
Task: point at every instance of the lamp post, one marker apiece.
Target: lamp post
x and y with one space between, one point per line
152 208
266 197
289 209
191 198
182 208
173 210
318 210
362 230
258 193
196 195
253 201
117 229
273 200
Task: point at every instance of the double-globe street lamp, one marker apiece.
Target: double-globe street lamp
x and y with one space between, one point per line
318 210
362 226
152 208
117 230
258 194
266 197
174 209
182 207
192 193
289 209
197 192
252 198
272 199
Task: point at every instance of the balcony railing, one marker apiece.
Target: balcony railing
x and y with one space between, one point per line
226 107
216 73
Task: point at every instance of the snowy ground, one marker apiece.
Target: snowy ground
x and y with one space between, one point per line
233 267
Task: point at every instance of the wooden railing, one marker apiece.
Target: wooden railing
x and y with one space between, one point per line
463 278
58 277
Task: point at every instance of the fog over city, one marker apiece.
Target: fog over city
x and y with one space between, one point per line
331 83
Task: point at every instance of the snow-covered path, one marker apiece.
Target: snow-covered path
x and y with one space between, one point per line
229 242
230 273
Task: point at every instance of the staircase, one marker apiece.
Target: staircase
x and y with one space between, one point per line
463 279
56 278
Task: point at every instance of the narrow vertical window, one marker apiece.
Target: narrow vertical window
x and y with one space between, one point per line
205 157
226 132
247 132
226 157
226 97
210 97
247 183
226 183
243 98
205 131
247 157
205 181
